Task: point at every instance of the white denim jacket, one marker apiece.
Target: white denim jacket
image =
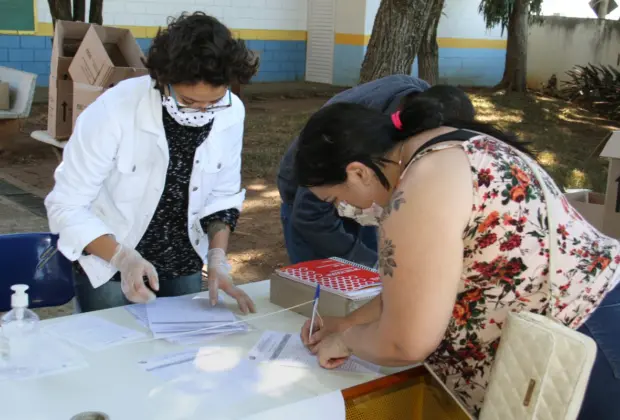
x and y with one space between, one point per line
114 169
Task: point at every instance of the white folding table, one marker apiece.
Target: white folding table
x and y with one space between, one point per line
114 383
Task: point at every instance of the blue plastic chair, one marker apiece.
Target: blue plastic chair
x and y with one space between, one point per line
32 259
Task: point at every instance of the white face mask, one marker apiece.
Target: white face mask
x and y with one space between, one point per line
365 217
190 119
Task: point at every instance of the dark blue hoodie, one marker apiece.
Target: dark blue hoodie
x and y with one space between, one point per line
316 221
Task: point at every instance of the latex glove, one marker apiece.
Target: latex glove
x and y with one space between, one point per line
332 351
323 327
218 277
133 269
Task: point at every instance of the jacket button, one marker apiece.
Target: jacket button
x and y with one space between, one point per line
195 189
133 169
219 165
197 161
197 242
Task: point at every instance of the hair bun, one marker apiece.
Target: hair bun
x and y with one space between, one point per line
420 114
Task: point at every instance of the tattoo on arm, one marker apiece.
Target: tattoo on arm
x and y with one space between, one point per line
215 227
396 201
387 261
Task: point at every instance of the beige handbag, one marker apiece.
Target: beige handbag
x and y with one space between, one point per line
542 367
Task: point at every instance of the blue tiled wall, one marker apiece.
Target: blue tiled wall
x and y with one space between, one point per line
471 66
457 66
347 64
28 53
281 61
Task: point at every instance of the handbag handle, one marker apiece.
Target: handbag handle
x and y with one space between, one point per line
538 173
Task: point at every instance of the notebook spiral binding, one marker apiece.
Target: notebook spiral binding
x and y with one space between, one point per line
354 264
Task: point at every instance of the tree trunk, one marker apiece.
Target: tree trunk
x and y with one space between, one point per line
515 69
428 54
79 10
398 29
60 10
96 12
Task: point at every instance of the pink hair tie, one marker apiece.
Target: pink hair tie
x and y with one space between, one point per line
396 120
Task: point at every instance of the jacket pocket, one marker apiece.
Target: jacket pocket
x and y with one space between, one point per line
209 166
130 180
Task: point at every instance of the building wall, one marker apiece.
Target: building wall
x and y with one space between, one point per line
560 43
274 28
469 54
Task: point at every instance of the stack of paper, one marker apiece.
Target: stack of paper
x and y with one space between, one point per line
187 319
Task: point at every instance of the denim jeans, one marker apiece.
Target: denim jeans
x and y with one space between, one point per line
602 400
110 295
299 250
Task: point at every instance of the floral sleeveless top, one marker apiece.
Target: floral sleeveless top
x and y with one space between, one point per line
506 261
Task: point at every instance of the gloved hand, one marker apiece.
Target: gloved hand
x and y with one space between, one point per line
218 272
133 269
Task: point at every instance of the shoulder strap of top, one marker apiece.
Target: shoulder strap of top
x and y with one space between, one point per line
457 135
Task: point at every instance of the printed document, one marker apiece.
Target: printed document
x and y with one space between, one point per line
287 349
92 332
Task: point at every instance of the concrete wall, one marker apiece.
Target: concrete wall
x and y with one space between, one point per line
276 28
560 43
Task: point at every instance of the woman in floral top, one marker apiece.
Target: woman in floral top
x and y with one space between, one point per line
464 241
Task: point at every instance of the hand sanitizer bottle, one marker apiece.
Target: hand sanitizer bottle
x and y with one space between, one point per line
20 331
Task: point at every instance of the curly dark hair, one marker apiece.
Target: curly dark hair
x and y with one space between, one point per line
198 48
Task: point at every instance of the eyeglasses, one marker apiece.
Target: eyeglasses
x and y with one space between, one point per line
188 109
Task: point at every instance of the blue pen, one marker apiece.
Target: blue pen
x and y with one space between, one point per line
314 308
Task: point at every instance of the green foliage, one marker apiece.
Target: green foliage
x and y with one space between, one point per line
597 87
497 12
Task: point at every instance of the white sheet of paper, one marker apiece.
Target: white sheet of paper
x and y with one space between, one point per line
224 372
57 358
186 310
325 407
92 333
182 333
138 310
287 349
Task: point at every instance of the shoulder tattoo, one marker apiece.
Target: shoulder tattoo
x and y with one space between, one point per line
394 205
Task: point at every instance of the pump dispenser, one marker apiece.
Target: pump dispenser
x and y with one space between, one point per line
20 327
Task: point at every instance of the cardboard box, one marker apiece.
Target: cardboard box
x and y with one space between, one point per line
84 95
603 210
60 108
67 38
287 293
106 56
5 103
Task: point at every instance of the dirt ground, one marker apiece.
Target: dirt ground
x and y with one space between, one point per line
564 138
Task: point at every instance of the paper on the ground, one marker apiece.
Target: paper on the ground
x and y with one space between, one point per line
325 407
92 333
287 349
57 358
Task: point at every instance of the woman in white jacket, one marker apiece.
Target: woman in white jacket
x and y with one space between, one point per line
149 189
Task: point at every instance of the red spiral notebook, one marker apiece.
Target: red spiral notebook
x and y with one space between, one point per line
336 275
